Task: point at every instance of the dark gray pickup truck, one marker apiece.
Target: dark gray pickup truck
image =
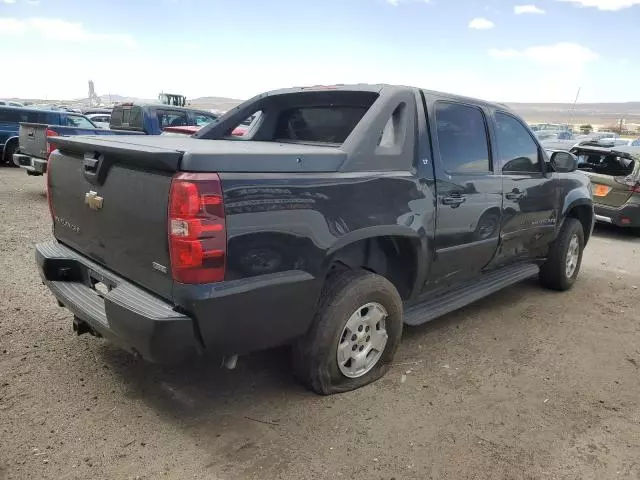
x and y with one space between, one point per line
342 214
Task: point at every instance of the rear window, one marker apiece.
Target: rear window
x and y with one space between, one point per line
326 124
127 118
19 114
604 163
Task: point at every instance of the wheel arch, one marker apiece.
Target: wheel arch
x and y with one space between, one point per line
582 210
6 148
395 253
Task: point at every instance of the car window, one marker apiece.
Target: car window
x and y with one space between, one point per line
318 124
518 151
462 138
128 117
168 118
17 115
202 120
78 121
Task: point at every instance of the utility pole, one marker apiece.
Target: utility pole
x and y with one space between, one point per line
573 107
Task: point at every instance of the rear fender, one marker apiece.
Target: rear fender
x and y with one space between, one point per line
418 240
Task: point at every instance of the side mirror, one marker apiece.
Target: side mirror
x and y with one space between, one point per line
563 162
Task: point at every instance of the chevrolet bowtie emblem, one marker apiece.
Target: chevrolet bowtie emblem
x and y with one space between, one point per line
93 200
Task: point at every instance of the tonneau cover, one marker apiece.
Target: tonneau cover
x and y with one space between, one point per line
200 155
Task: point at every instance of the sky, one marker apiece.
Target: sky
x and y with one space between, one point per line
500 50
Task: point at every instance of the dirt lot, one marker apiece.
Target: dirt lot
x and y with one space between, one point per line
524 384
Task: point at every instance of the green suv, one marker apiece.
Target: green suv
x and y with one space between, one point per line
615 178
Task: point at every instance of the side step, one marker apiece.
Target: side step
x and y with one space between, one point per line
469 292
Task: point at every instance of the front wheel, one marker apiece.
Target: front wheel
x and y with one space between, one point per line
354 335
561 269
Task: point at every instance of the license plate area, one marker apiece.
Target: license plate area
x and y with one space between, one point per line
601 190
101 285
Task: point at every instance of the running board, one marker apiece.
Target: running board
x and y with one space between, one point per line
468 292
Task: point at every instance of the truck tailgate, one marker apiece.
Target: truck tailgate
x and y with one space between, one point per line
112 207
33 139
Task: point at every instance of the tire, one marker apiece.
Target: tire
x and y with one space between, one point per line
347 293
7 154
554 272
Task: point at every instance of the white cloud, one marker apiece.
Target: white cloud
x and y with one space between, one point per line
481 24
60 30
8 2
608 5
570 55
522 9
33 2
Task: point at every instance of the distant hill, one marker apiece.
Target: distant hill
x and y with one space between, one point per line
594 113
214 103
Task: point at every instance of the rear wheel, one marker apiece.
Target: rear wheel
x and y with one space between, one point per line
9 150
354 335
561 269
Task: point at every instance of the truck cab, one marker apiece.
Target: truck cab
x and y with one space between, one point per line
152 119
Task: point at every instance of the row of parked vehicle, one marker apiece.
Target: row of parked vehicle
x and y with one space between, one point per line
24 131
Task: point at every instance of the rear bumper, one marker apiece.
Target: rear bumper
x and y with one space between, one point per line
237 316
626 216
127 315
33 165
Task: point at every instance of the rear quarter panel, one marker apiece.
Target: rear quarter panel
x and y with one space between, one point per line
282 231
283 222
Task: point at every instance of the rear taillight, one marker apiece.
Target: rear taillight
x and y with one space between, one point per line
50 146
197 228
49 187
630 181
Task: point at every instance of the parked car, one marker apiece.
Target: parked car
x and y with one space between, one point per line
543 135
10 103
101 120
153 119
189 130
125 119
185 131
11 117
615 175
320 228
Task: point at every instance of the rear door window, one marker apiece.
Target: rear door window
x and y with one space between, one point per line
330 124
78 121
202 119
462 138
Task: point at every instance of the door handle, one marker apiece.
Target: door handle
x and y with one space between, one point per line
453 200
515 194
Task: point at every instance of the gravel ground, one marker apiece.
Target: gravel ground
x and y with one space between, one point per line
524 384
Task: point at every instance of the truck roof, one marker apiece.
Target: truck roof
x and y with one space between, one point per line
380 88
37 110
